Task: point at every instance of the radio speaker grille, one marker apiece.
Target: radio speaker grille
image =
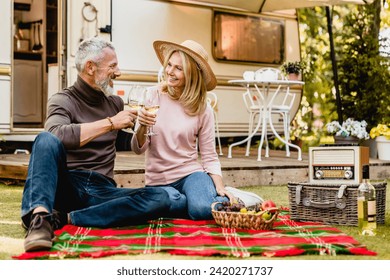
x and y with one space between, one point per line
343 157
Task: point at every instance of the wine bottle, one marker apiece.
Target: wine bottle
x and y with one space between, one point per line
366 203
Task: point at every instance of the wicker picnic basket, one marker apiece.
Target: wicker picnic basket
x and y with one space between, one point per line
243 220
331 203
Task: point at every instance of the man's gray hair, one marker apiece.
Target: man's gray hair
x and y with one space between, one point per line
91 50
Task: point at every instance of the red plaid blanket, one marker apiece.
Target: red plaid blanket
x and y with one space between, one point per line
201 238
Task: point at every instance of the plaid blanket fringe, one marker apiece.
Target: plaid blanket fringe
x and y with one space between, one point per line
201 238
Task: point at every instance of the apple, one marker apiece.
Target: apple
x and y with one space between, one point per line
268 205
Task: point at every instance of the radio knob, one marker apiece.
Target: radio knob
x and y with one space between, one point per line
348 174
319 174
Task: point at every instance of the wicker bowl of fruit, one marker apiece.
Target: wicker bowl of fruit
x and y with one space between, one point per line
236 215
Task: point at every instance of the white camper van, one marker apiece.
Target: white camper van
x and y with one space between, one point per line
40 38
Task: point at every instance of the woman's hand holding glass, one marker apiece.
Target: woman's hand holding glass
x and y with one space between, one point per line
135 100
148 113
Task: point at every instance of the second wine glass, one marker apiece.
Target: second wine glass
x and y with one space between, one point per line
152 105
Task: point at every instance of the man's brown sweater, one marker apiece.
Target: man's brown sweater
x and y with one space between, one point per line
78 104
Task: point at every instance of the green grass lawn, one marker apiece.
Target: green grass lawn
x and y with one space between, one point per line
12 234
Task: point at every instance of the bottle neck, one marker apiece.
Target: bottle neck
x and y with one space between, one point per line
365 181
366 172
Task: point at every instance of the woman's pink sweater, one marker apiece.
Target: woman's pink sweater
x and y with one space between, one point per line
173 154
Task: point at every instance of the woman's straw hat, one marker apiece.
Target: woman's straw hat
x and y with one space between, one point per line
194 50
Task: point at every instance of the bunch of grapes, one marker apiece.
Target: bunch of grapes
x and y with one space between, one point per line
238 206
231 207
258 208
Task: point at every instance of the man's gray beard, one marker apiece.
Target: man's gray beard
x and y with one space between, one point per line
105 87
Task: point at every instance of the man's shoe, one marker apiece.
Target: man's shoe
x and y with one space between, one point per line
40 233
58 219
249 198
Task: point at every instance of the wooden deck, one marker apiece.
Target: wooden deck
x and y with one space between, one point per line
237 171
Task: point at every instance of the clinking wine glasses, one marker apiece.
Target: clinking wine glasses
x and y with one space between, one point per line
152 105
135 100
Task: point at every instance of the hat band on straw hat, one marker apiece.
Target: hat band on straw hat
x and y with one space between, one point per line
194 50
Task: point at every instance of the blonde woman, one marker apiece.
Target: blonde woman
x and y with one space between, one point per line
184 126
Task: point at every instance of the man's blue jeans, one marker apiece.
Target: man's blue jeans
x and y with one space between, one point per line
91 198
191 197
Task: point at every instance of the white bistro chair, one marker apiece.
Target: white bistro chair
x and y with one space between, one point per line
268 73
282 108
254 104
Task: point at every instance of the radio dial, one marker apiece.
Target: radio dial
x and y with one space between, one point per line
319 174
348 174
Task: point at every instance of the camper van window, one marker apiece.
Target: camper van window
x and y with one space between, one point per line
244 38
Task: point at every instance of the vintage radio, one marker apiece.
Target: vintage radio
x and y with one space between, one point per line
337 164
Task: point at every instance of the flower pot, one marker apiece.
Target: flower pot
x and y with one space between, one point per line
383 145
297 142
349 140
293 77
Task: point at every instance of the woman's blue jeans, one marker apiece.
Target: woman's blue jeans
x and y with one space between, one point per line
191 197
90 198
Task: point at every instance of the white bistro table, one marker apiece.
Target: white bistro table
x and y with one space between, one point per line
268 90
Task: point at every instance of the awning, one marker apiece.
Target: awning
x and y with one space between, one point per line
258 6
273 5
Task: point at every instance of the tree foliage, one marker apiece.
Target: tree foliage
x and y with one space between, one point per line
363 73
318 106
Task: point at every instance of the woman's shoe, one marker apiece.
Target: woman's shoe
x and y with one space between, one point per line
249 198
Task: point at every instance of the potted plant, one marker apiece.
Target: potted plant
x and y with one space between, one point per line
292 69
350 131
381 134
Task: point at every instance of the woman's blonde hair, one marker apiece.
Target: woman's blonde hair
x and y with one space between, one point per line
194 95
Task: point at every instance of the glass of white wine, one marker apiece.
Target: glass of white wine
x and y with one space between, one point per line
135 100
152 105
